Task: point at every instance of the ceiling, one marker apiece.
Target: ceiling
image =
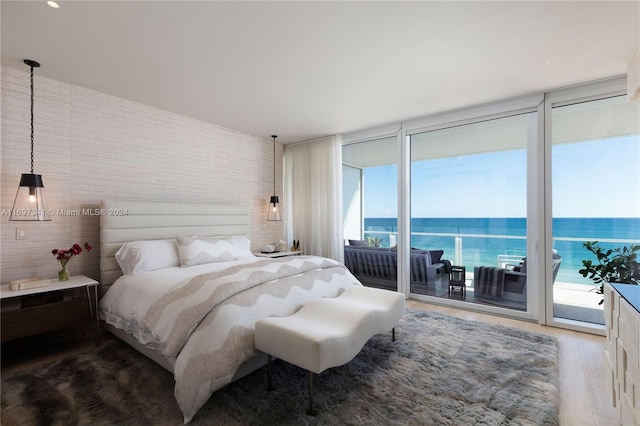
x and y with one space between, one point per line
309 69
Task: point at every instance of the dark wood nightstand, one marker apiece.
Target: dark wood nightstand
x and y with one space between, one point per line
37 310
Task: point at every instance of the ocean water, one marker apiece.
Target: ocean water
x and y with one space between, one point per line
483 239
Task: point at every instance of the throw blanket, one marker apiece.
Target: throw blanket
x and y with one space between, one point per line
206 322
491 280
173 317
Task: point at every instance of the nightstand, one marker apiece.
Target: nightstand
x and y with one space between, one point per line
279 253
37 310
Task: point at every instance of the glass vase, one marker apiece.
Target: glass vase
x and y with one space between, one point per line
63 274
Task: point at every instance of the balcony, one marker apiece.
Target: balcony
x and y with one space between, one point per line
575 297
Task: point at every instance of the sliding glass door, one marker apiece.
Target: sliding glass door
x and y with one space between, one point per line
370 211
596 196
498 202
469 212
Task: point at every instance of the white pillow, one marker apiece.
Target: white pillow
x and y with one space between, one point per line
241 245
195 251
142 256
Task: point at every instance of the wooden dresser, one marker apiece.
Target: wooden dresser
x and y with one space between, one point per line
622 319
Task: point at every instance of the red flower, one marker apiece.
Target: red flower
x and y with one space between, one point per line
65 256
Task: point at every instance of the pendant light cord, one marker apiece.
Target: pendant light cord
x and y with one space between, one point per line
274 164
31 119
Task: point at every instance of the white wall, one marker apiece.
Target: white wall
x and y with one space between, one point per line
91 146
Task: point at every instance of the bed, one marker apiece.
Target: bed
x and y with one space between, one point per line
192 290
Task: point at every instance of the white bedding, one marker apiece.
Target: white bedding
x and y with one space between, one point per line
131 296
202 318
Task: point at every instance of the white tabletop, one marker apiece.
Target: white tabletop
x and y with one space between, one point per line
73 282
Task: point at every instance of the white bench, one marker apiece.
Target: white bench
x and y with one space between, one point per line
329 332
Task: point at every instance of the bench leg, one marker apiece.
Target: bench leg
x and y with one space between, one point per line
393 334
270 386
310 408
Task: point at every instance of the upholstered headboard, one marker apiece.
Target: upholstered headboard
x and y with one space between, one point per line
122 221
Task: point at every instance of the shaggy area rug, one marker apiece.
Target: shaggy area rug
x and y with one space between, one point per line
440 371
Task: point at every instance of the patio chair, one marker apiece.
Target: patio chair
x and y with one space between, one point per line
508 284
515 280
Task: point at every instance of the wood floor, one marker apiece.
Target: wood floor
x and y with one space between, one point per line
584 397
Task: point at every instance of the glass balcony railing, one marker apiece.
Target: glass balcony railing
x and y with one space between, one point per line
574 296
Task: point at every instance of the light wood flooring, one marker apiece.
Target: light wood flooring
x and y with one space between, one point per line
584 390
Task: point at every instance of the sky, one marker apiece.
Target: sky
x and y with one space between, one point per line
590 179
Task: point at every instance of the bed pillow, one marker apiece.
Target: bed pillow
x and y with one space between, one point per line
241 245
196 251
144 256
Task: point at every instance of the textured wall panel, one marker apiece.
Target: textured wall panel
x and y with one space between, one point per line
91 146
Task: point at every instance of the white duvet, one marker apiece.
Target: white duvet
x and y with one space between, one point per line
202 317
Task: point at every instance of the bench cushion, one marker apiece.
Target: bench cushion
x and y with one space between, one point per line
329 332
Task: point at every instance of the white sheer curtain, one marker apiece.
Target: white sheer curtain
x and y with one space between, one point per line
313 194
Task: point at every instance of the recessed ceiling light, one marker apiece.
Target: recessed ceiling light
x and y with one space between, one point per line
53 4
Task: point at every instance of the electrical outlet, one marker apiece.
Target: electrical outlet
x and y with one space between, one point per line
21 234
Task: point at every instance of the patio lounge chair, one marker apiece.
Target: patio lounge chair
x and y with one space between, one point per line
506 283
378 267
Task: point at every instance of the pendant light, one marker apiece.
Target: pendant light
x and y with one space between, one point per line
30 203
274 204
